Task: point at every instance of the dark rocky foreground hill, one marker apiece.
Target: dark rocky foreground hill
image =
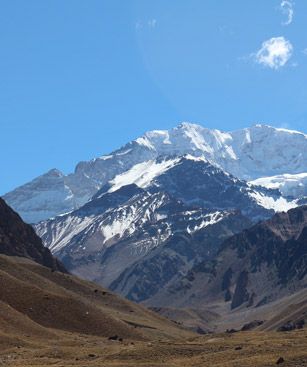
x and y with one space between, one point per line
19 239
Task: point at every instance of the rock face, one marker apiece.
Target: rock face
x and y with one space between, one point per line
162 217
20 239
259 265
145 278
242 153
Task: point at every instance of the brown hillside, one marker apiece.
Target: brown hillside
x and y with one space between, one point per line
46 300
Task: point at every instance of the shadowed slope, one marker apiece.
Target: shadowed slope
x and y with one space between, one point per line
19 239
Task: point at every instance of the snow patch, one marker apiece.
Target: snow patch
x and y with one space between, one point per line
142 174
106 157
206 221
278 205
289 185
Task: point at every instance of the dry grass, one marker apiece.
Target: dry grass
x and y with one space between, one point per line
52 319
231 350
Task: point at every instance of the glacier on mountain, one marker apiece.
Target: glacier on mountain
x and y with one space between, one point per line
289 185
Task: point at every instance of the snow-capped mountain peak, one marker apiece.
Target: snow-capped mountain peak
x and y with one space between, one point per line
249 154
185 138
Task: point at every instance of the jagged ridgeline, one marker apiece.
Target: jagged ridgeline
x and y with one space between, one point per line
243 153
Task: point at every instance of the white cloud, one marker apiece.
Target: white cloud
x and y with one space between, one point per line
305 51
274 53
287 9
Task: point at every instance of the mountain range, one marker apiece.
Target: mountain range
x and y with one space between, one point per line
243 153
49 317
122 225
256 280
183 218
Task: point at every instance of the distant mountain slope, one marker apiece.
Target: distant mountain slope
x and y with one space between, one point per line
20 239
124 222
243 153
255 267
285 314
100 246
182 250
196 181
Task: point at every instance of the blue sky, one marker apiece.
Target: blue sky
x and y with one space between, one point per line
81 78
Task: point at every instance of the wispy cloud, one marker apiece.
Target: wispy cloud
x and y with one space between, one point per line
150 23
274 53
305 51
287 8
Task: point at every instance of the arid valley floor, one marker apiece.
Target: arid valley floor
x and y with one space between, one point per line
238 349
